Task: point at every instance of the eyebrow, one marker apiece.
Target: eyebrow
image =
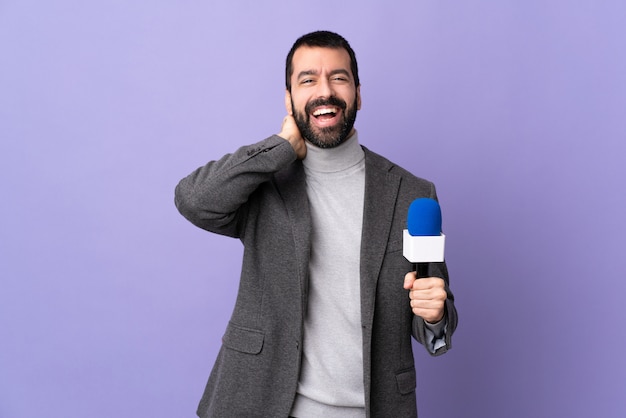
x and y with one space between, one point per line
314 72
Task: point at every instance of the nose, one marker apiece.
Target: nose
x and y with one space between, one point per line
324 88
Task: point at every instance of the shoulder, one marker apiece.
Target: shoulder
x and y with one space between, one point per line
378 162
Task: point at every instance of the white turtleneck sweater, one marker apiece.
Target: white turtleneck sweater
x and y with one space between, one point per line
331 376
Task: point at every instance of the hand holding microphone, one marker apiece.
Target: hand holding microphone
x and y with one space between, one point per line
423 242
427 296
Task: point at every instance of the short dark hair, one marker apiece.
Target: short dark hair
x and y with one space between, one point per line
323 39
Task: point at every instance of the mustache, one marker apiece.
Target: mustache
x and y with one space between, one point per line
330 101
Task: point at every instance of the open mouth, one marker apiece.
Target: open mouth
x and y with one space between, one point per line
325 113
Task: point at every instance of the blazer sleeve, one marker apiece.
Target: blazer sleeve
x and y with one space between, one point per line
214 197
450 313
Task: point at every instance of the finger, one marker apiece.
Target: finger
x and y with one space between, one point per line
428 298
429 315
428 295
426 304
428 283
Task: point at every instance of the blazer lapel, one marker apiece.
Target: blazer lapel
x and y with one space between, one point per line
291 184
381 191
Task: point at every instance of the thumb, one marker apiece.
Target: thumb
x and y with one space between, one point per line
409 278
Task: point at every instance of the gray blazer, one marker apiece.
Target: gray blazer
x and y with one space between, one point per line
258 195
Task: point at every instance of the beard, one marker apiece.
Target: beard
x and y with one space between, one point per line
331 136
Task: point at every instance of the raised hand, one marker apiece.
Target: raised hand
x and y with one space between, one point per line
291 133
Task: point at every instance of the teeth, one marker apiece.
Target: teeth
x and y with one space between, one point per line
325 111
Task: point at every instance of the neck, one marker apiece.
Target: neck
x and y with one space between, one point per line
335 159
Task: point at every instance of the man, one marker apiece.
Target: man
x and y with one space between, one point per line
327 304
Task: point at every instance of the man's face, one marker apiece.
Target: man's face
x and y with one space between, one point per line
324 99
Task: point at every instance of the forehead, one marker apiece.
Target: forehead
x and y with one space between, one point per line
318 59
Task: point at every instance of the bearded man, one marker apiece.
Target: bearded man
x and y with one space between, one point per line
327 304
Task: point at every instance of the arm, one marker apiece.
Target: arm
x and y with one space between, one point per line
214 196
432 303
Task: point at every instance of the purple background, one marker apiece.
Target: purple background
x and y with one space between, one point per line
112 305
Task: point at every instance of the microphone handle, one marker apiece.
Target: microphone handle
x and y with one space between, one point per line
421 269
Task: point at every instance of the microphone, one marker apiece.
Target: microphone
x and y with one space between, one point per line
423 241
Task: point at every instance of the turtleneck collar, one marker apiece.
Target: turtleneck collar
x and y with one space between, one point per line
331 160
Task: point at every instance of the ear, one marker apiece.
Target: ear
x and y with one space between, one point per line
288 103
358 98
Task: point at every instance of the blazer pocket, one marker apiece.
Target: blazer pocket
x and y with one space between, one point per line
244 340
406 381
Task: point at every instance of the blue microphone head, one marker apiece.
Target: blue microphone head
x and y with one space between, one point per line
424 218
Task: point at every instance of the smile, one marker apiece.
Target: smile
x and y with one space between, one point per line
326 112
